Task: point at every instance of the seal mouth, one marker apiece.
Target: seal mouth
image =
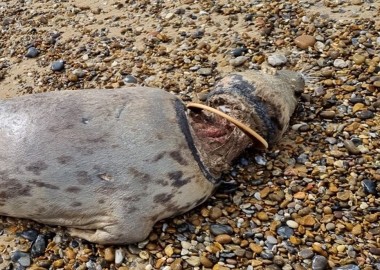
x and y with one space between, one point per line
221 127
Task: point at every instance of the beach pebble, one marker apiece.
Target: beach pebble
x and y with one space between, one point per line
21 257
319 263
129 79
369 186
340 63
58 65
32 52
305 41
217 229
238 61
277 60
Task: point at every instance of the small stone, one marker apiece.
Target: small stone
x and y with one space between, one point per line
169 250
285 232
356 2
38 247
271 239
72 77
223 238
344 195
300 195
30 235
277 60
169 16
215 213
340 63
109 254
292 224
267 254
330 226
256 263
262 216
217 229
365 114
376 84
319 263
374 251
307 220
341 248
357 229
176 265
58 65
319 46
358 59
205 71
347 267
194 261
357 107
32 52
21 257
351 147
238 52
256 248
306 253
119 256
238 61
129 79
295 240
369 186
305 41
206 262
70 254
58 263
327 114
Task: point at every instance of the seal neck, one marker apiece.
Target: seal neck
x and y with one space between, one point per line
219 137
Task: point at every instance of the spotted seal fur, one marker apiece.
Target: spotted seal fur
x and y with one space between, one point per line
109 164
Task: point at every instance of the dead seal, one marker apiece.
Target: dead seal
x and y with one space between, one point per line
109 164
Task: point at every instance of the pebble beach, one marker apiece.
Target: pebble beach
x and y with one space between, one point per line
312 201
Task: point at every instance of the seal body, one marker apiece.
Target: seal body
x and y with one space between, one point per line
106 163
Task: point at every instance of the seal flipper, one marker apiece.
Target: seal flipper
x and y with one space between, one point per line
113 234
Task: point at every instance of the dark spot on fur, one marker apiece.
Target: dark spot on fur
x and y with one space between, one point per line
42 184
134 198
159 137
162 182
58 128
84 150
73 189
101 201
132 209
100 139
176 155
163 198
37 167
178 180
140 175
76 204
64 159
41 210
11 187
159 156
83 178
115 146
108 191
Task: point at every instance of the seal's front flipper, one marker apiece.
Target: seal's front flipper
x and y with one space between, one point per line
96 236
